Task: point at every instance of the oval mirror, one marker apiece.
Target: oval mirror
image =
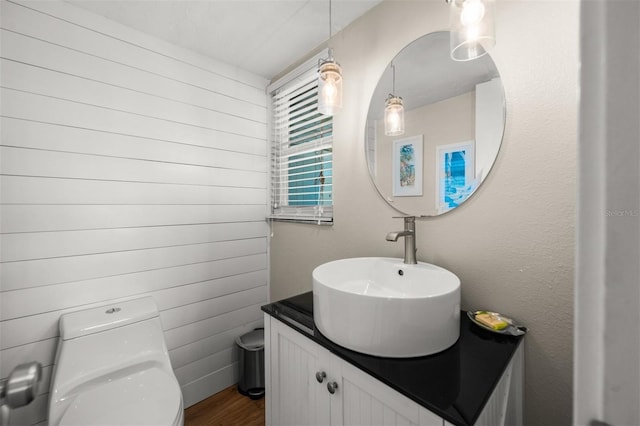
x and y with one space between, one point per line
454 115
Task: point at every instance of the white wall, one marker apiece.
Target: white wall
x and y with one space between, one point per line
129 167
512 243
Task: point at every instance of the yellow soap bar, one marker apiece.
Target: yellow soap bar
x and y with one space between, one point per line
492 320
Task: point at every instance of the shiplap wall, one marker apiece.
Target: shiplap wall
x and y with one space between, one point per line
129 167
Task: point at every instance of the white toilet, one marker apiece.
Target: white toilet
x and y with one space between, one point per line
112 368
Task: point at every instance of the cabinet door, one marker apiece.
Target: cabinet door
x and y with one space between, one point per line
367 401
294 394
295 397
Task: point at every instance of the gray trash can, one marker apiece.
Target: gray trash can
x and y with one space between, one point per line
251 348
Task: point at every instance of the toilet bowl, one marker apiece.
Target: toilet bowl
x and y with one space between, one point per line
112 367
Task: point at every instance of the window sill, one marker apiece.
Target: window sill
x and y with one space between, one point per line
316 222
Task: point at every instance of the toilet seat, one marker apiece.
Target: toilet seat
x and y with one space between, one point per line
148 397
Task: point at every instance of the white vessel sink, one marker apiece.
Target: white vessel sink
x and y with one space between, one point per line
381 306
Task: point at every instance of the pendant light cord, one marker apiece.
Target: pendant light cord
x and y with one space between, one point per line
393 82
330 58
329 19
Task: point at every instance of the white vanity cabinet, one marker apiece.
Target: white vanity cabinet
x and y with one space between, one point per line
300 375
367 401
293 397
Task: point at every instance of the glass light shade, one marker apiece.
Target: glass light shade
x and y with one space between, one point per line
329 87
393 116
472 26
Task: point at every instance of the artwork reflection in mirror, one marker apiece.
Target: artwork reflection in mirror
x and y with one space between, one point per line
455 174
454 109
407 167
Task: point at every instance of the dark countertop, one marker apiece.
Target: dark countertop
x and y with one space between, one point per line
454 384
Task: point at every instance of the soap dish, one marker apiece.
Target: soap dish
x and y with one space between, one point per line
512 328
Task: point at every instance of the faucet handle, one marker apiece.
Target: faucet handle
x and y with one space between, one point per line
406 218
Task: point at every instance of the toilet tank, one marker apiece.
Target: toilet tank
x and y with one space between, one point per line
106 343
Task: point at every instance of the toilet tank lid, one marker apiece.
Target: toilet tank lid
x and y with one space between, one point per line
106 317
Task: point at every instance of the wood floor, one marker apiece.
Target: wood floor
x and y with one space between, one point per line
226 408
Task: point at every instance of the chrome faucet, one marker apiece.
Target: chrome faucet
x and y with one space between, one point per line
409 235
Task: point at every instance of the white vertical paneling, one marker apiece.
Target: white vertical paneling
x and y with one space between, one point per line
428 418
365 409
295 371
504 407
389 417
367 401
369 410
269 376
351 405
361 408
128 167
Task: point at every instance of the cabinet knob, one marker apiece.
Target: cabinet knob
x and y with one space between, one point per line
332 387
320 375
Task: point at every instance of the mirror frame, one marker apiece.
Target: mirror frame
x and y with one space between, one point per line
487 63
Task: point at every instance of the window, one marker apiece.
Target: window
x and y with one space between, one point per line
301 151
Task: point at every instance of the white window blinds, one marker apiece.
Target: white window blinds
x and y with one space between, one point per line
301 153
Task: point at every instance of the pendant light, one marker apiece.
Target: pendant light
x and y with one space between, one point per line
472 28
393 110
329 82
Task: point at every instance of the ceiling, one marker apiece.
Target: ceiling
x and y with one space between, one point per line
261 36
425 74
